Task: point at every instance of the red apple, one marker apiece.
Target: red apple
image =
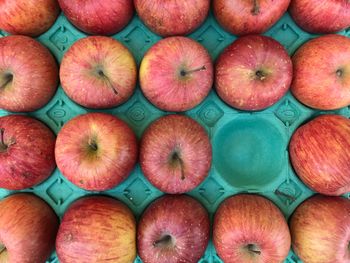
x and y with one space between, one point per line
28 17
248 17
97 229
171 17
98 72
320 229
174 228
28 74
176 74
250 228
28 228
320 154
253 73
322 72
96 151
26 152
175 154
328 16
105 17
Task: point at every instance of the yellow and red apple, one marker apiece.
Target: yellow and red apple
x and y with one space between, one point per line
98 72
96 151
176 74
28 74
97 229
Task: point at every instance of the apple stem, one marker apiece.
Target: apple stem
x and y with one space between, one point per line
339 73
256 7
3 145
260 74
182 169
290 197
93 145
2 248
186 72
164 240
253 248
7 79
110 85
176 158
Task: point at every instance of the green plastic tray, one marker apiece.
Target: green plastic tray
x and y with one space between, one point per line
264 135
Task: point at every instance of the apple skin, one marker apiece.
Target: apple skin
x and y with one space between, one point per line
321 17
179 217
97 229
98 72
96 151
28 17
244 220
320 230
28 74
170 18
105 17
237 70
161 74
175 154
322 72
26 152
320 156
245 18
28 228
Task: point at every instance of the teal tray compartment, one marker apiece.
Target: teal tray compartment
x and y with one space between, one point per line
270 130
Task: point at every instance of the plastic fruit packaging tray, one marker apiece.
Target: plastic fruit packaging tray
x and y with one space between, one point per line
235 135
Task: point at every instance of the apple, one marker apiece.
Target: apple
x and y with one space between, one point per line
320 156
28 74
322 72
248 17
98 72
26 152
96 151
28 228
174 228
253 73
97 229
320 229
176 74
175 154
250 228
171 17
28 17
105 17
329 16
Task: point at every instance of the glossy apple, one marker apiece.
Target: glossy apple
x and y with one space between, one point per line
26 152
176 74
96 151
105 17
98 72
174 228
28 74
28 228
175 154
321 17
97 229
250 228
322 72
28 17
320 156
320 229
253 73
248 17
170 18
